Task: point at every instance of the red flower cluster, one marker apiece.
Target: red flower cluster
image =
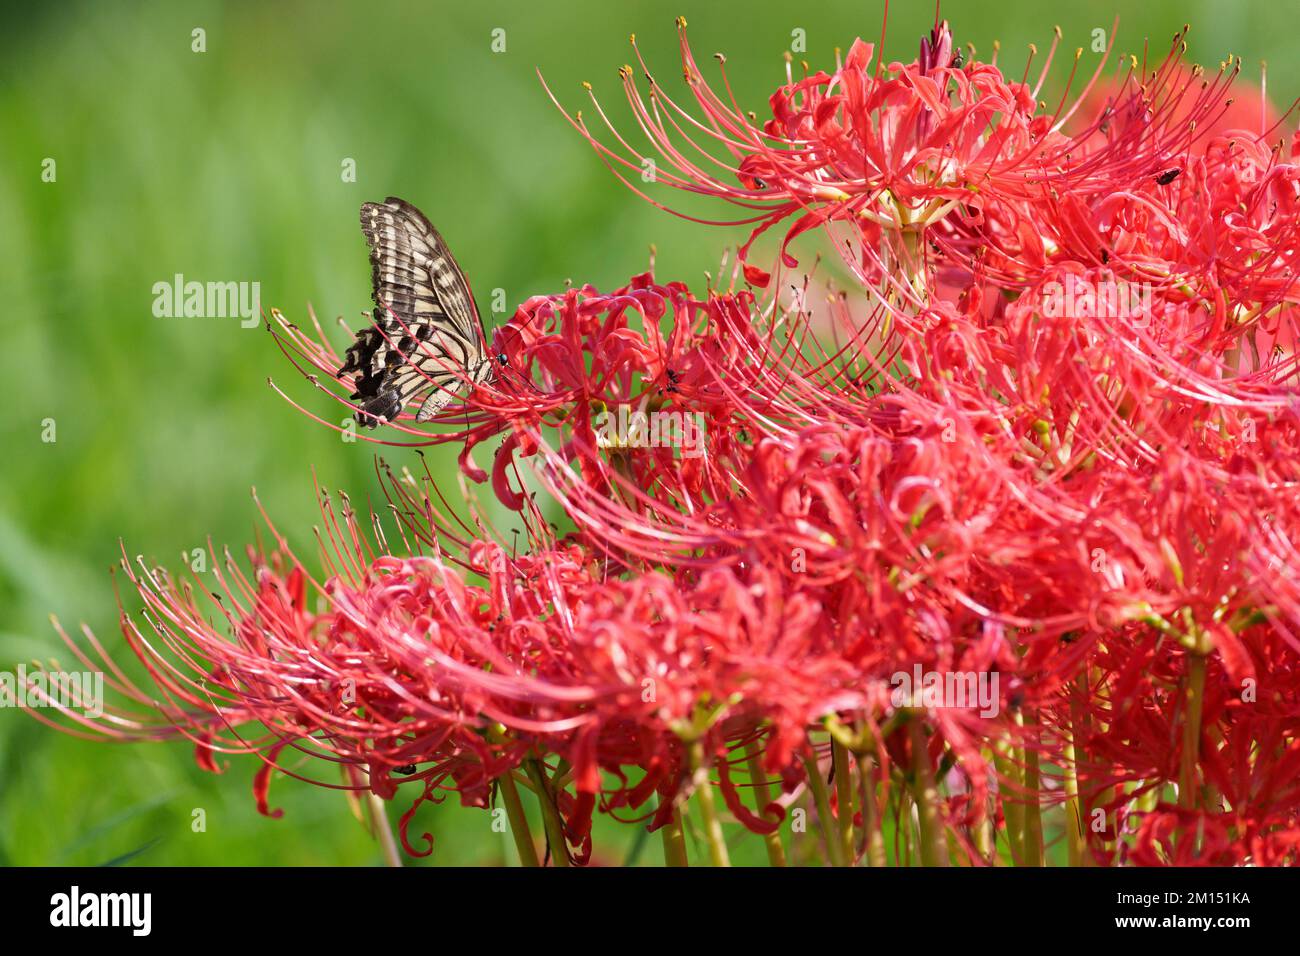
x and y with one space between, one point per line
1004 544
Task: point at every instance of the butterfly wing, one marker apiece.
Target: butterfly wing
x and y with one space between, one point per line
427 333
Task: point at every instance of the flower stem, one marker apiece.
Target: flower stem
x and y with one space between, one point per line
518 821
904 817
1188 797
391 856
1009 796
844 798
1033 817
1195 696
1074 837
550 813
704 790
934 848
873 836
834 849
1073 809
982 825
763 796
674 840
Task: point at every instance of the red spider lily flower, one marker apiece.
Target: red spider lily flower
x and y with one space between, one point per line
1050 442
1247 110
402 664
936 164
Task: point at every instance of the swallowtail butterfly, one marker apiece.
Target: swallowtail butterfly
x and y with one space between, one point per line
435 346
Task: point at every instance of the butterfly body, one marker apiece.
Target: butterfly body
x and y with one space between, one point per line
427 336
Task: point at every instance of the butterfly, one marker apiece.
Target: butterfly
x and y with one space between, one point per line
427 338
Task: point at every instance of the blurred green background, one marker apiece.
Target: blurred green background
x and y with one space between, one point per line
226 165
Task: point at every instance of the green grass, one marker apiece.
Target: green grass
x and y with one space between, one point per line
225 165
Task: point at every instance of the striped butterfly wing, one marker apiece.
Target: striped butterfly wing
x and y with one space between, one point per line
435 341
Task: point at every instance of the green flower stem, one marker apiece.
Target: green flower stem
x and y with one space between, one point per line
844 798
674 841
550 813
985 842
763 796
873 836
1010 797
934 847
1075 843
1188 798
518 821
1073 809
834 848
704 791
1033 819
384 831
904 816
